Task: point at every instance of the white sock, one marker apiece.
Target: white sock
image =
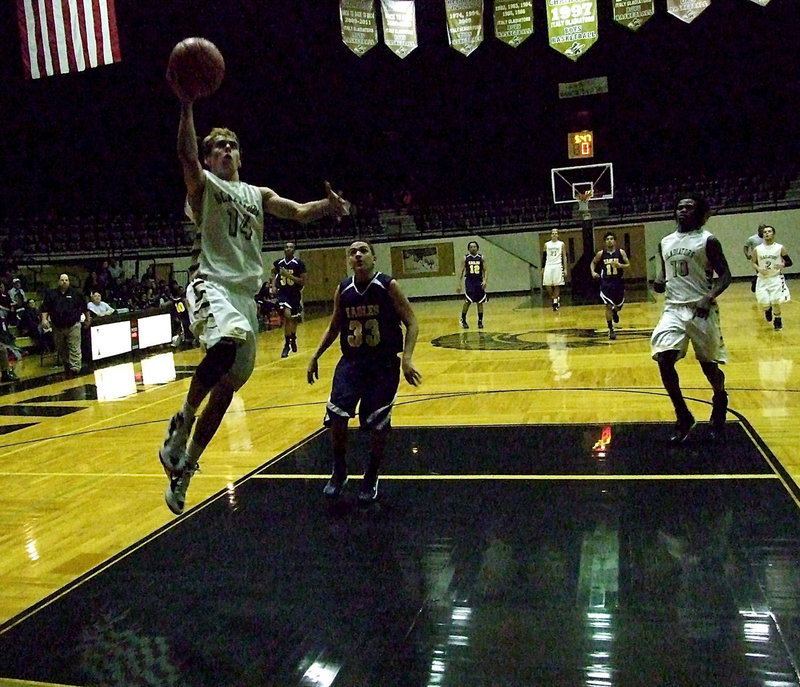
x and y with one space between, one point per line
194 451
188 412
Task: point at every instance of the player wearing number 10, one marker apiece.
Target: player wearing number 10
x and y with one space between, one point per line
226 273
688 258
368 309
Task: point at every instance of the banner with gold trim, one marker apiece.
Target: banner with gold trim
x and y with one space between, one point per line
399 26
633 13
687 10
359 26
464 24
571 26
513 20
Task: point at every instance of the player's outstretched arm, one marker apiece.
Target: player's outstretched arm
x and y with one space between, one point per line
403 308
333 205
330 335
188 155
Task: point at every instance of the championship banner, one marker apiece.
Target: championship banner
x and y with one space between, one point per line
399 26
687 10
513 20
359 28
633 13
571 26
464 24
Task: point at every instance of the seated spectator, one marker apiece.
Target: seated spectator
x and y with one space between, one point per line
98 307
18 299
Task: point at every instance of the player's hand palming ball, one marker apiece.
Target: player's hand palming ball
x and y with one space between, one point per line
195 69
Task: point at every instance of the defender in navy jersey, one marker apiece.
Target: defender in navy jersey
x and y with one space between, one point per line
612 261
226 272
368 311
288 280
688 259
475 276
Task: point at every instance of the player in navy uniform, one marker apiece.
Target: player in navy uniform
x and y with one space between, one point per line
474 267
289 278
612 261
368 309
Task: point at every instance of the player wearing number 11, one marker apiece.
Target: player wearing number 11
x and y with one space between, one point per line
225 274
368 309
688 259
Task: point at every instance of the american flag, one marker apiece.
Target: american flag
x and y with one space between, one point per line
61 36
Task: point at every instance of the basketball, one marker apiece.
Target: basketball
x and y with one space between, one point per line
195 68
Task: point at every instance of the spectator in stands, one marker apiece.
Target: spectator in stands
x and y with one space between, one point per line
63 309
116 272
18 299
5 304
98 307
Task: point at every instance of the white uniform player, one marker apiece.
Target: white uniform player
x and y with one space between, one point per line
226 274
688 259
769 260
554 270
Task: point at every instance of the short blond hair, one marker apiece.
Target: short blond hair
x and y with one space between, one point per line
217 132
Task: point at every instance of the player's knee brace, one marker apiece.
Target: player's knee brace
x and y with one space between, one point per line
217 362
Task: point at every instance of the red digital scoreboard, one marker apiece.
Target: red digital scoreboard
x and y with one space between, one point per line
580 144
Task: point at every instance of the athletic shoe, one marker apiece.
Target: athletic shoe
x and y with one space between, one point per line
9 376
175 493
555 306
778 323
293 344
612 334
615 316
682 430
172 453
768 314
368 493
480 325
285 351
464 324
333 489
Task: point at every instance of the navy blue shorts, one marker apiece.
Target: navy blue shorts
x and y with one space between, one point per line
370 384
612 292
474 293
292 301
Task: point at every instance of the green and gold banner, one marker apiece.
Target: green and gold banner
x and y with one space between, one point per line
464 24
513 20
687 10
633 13
571 26
399 26
359 28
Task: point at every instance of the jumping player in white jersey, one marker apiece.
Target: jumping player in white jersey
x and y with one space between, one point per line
225 274
555 268
688 258
769 259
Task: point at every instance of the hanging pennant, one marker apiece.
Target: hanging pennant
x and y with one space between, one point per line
513 20
687 10
464 24
359 28
633 13
399 26
571 26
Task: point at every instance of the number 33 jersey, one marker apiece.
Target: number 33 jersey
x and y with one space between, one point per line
230 233
688 271
370 323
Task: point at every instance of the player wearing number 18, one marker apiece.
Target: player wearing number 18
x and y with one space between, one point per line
688 259
368 309
225 275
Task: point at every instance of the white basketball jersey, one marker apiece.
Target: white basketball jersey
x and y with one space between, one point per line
231 232
555 250
769 258
688 272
